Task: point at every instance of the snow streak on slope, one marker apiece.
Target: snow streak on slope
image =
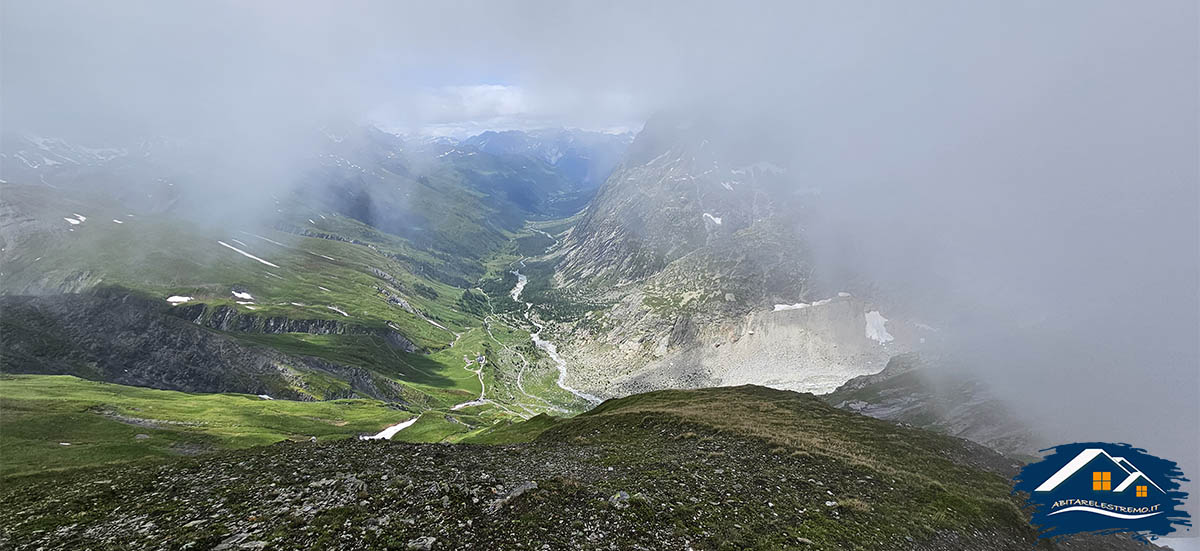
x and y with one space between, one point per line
246 254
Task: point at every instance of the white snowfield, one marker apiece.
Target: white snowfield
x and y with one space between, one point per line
246 254
243 296
803 305
178 299
716 219
388 433
875 327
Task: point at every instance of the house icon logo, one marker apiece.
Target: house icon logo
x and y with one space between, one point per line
1099 487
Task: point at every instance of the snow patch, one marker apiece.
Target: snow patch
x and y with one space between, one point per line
715 219
875 327
803 305
73 221
265 397
117 221
272 241
338 310
243 296
246 254
178 299
388 433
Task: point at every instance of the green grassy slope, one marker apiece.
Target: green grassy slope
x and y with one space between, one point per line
100 422
726 468
311 264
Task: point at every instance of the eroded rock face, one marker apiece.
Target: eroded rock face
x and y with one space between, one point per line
124 339
813 349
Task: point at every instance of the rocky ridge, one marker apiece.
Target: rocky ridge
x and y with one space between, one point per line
662 470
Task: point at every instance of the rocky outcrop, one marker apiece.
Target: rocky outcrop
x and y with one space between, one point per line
121 338
227 318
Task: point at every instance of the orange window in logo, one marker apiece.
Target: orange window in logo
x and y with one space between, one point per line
1101 481
1141 491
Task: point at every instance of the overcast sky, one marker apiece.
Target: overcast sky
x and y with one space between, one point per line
1026 171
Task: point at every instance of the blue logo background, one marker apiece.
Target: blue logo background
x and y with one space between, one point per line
1103 488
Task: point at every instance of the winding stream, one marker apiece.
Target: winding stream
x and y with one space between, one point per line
536 336
545 345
